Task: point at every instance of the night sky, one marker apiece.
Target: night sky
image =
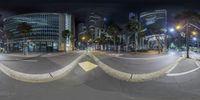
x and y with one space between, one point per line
112 9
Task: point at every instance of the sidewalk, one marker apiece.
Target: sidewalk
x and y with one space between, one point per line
30 55
149 54
22 55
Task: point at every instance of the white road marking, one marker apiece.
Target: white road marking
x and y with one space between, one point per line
172 68
87 66
187 72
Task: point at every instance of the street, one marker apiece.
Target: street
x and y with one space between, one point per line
96 84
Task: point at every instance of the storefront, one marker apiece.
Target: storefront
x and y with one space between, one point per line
33 46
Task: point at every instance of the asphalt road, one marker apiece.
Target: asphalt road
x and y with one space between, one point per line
138 66
96 85
39 64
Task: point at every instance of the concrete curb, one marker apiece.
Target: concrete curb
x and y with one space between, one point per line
39 78
110 71
150 58
52 55
39 54
132 58
21 55
134 77
58 54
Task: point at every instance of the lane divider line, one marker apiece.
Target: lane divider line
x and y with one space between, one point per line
39 78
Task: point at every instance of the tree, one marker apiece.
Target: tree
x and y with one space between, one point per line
86 38
24 28
65 35
68 36
97 41
156 29
134 26
102 40
72 40
113 30
185 18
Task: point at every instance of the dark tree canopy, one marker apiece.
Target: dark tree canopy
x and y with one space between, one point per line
134 26
155 28
65 33
87 37
191 16
113 29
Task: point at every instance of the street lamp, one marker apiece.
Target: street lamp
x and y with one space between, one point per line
195 41
194 38
89 40
104 19
83 38
171 30
194 33
178 27
188 34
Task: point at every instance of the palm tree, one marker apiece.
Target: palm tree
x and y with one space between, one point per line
134 26
65 35
103 40
187 17
72 40
113 30
68 36
141 36
97 42
24 28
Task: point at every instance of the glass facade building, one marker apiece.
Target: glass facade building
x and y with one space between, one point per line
154 17
45 35
150 18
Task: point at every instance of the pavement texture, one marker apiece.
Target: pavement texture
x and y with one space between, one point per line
97 85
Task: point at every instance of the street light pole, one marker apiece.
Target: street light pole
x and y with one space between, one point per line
187 40
187 34
198 45
165 36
